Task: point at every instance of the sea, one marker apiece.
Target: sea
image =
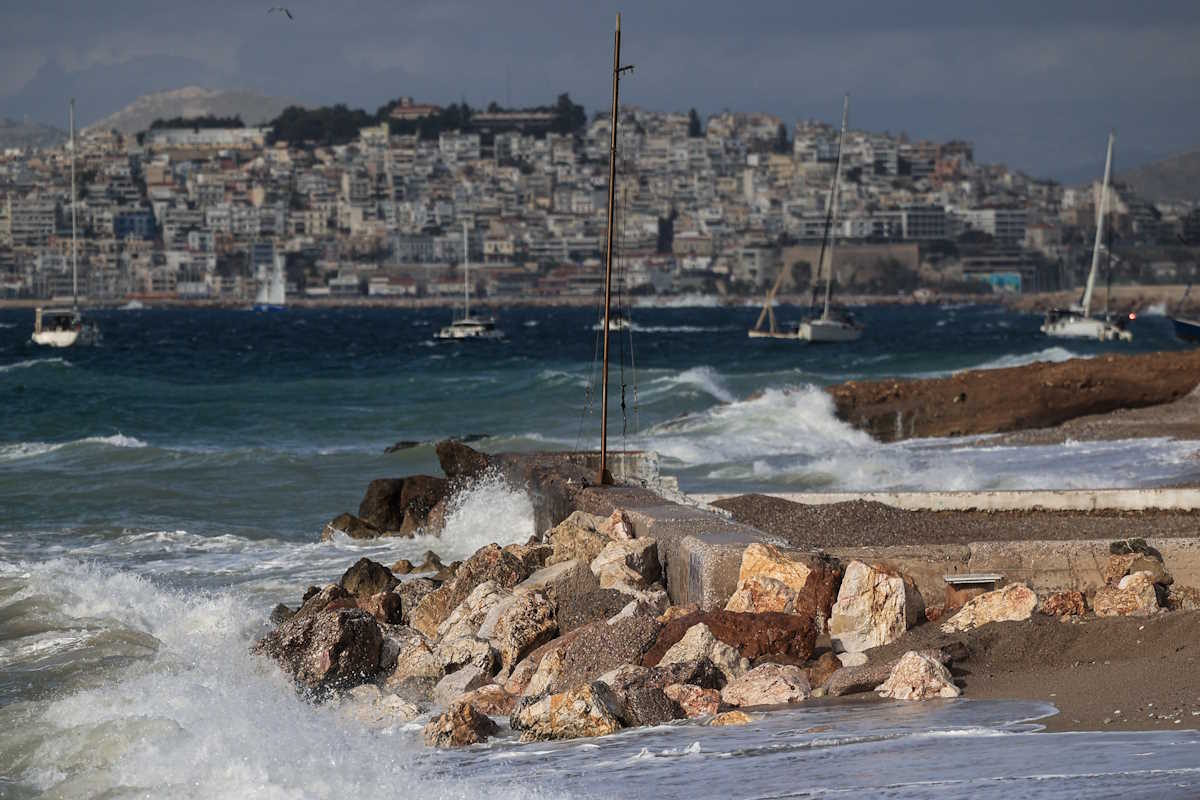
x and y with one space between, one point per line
160 492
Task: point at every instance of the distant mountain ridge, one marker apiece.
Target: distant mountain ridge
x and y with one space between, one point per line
15 133
193 101
1172 179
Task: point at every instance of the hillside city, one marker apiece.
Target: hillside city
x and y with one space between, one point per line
193 211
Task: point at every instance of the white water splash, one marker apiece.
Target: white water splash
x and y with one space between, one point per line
1050 354
34 362
19 450
697 379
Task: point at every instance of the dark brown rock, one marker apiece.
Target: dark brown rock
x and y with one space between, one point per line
350 525
366 578
281 613
752 635
331 596
383 606
460 462
462 724
599 647
702 673
822 667
334 648
411 592
574 611
403 505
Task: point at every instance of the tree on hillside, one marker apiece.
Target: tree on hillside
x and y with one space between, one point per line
569 117
196 123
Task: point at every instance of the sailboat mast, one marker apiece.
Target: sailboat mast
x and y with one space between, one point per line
74 246
837 178
466 273
608 258
1100 209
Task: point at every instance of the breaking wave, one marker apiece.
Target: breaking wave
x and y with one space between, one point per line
1051 354
34 362
18 450
702 379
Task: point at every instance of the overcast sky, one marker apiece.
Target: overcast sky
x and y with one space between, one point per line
1034 84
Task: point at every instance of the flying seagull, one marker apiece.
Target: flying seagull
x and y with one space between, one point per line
280 8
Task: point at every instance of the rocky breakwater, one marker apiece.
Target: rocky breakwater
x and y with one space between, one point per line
1037 395
569 635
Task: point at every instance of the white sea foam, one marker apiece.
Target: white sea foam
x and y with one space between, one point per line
680 301
1052 354
18 450
702 379
34 362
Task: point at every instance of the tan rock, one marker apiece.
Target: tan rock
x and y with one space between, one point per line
694 701
875 606
1118 567
678 612
731 718
469 615
489 563
812 582
415 659
821 668
491 700
759 593
632 562
527 623
520 676
455 654
462 724
617 527
699 643
768 685
1016 601
1063 604
578 537
456 684
917 676
1133 596
586 711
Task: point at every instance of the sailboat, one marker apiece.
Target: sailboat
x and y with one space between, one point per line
272 287
65 327
1076 322
468 327
833 325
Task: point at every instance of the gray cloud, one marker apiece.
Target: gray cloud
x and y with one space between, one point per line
1034 84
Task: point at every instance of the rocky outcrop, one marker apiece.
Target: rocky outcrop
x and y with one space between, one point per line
462 724
1063 604
460 462
463 651
411 592
692 700
578 537
403 506
917 676
1134 595
875 606
527 623
768 685
366 578
575 593
630 562
489 563
589 710
333 648
770 580
1015 601
469 615
753 635
414 658
349 525
699 643
866 677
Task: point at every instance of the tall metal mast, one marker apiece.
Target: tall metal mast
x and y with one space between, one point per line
1100 209
74 249
612 178
466 273
837 178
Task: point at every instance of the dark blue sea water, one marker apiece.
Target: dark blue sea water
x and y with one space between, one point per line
160 492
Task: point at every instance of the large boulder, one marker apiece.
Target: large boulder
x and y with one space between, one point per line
351 526
384 607
589 710
575 592
630 562
768 685
918 676
527 623
699 643
770 580
462 724
492 700
753 635
469 615
414 657
331 649
1063 604
328 597
411 592
490 563
366 578
460 462
590 651
403 506
693 700
578 538
1016 601
464 651
1133 596
875 606
640 691
456 684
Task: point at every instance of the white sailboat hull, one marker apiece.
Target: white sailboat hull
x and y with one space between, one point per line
470 328
56 338
754 333
829 330
1079 327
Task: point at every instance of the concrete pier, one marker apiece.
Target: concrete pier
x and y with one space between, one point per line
1162 499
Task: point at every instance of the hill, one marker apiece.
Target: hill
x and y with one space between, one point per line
193 101
1175 178
29 134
